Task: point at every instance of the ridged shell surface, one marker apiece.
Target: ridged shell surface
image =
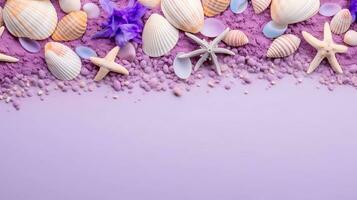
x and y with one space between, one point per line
150 3
284 46
68 6
71 27
34 19
214 7
341 22
62 61
236 38
159 36
186 15
351 38
260 5
286 12
1 19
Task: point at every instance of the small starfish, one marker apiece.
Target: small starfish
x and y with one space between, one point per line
326 48
108 64
208 51
3 57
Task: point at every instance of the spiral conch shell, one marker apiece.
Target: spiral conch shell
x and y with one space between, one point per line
284 46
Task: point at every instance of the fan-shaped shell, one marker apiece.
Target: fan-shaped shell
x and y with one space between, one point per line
186 15
34 19
293 11
214 7
236 38
351 38
68 6
62 61
150 3
71 27
159 36
341 22
284 46
260 5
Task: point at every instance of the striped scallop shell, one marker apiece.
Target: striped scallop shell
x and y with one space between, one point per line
150 3
351 38
186 15
31 19
159 36
260 5
284 46
214 7
341 22
62 61
236 38
71 27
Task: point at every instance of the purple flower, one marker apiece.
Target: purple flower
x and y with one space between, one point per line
123 25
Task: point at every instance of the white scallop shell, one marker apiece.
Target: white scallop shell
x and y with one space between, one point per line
341 22
293 11
150 3
351 38
186 15
62 61
68 6
284 46
159 36
260 6
236 38
34 19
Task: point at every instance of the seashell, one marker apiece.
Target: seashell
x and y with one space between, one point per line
6 58
213 27
62 61
33 19
214 7
68 6
351 38
92 10
186 15
284 46
1 19
128 52
2 29
29 45
286 12
71 27
341 22
85 52
238 6
159 36
182 67
274 30
150 3
329 9
236 38
260 6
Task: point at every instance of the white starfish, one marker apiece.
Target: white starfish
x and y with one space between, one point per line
208 51
108 64
326 48
3 57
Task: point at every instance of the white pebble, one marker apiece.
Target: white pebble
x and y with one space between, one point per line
92 10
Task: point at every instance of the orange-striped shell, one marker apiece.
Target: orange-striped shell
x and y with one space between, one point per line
71 27
236 38
260 5
214 7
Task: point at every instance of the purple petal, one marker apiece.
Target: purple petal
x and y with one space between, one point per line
107 5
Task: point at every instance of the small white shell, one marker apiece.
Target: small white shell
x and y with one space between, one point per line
341 22
159 36
150 3
236 38
92 10
68 6
284 46
62 61
260 6
351 38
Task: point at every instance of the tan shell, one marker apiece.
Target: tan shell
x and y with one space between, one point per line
341 22
260 6
284 46
186 15
150 3
236 38
71 27
1 19
214 7
351 38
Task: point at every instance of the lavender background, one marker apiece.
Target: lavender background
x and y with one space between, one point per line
287 143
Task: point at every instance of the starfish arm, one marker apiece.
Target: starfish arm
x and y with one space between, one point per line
216 63
327 33
101 74
112 54
223 51
114 67
312 40
334 63
197 40
340 48
199 63
220 37
6 58
193 53
315 63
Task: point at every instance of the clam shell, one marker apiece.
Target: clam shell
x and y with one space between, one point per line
186 15
214 7
32 19
159 36
150 3
260 6
293 11
236 38
68 6
71 27
284 46
62 61
351 38
341 22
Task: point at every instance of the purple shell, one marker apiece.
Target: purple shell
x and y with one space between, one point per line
29 45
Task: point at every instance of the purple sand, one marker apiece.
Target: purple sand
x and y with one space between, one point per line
30 75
